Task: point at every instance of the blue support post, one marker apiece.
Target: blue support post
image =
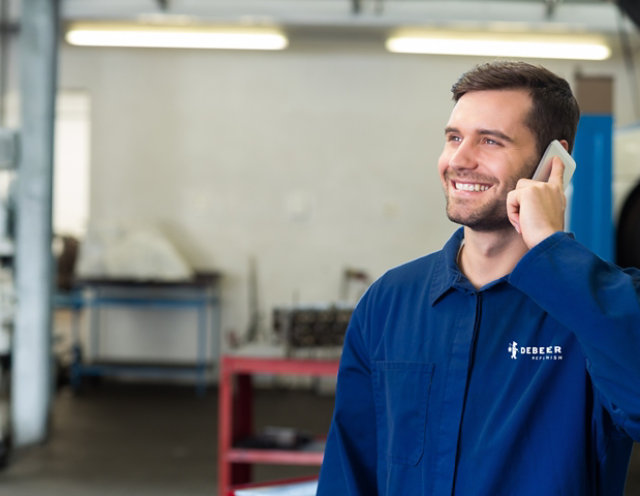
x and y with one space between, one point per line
591 218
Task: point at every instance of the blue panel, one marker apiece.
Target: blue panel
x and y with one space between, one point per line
591 217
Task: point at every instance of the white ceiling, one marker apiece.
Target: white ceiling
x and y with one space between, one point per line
599 16
593 15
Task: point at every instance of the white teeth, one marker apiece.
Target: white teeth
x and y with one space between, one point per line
471 187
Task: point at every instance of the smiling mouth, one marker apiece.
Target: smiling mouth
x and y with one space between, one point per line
474 187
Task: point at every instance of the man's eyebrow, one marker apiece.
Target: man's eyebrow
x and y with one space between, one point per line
482 132
496 133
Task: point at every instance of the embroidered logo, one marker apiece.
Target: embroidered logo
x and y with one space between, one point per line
534 352
513 349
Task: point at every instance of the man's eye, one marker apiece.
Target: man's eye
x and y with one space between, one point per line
490 141
454 138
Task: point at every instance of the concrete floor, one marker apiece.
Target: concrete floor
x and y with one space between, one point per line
121 439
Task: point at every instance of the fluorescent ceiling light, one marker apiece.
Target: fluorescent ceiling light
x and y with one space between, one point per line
500 45
147 36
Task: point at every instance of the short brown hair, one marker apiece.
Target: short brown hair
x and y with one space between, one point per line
554 113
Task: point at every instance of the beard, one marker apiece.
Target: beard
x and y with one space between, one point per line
490 215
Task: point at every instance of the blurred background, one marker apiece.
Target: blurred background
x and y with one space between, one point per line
166 204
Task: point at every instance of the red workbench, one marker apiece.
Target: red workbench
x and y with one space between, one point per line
235 419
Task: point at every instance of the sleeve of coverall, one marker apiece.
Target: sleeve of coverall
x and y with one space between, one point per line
600 304
349 465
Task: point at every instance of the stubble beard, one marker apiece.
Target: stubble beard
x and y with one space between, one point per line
490 216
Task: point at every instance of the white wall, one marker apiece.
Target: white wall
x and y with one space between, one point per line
312 159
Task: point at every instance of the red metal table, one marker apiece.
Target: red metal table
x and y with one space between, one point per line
235 419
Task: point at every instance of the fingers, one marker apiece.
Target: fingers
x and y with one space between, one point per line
513 209
557 172
535 208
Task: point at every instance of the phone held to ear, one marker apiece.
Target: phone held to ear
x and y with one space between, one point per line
543 171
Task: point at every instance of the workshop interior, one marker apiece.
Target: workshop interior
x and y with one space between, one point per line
194 195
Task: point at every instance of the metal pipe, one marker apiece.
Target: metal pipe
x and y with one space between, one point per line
4 57
32 353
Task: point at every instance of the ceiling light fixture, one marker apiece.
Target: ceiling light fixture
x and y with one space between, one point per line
517 45
150 36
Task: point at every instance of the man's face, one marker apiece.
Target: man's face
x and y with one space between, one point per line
488 147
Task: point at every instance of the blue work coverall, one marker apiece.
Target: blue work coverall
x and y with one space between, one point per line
528 386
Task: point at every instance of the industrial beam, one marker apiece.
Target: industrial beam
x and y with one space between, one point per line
31 358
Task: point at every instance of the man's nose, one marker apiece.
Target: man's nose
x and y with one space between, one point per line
463 157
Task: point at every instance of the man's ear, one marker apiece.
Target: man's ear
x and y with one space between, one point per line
565 144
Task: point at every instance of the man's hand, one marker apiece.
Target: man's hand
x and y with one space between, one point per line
535 208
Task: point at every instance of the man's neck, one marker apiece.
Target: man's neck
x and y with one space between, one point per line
487 256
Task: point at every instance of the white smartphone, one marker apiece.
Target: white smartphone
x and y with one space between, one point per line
543 171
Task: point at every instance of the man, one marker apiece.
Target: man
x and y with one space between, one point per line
508 363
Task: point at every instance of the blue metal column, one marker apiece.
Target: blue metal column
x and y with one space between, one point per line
591 218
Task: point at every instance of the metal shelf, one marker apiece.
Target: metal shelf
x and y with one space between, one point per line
199 295
275 457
